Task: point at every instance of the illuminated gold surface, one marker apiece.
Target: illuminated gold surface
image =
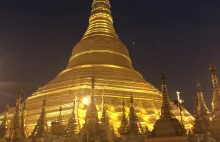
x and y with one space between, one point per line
100 53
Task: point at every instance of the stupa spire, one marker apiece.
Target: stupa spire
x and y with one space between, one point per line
198 86
133 126
215 127
202 114
73 125
100 21
57 127
60 119
104 114
23 123
167 125
92 113
124 121
166 109
216 94
202 109
41 128
15 130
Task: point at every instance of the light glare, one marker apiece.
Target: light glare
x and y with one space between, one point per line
85 100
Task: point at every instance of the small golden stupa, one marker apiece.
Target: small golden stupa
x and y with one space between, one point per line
100 53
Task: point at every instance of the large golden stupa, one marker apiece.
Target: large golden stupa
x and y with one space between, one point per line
100 53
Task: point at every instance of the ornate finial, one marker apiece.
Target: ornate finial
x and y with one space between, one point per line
7 108
20 94
123 104
102 19
18 102
166 109
60 109
163 79
199 93
198 86
131 99
212 68
93 82
44 102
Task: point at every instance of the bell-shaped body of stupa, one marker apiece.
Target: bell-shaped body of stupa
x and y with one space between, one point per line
99 53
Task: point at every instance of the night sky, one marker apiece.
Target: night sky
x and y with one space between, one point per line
177 37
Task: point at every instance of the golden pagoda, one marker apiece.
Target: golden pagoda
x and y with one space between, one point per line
202 114
167 125
215 126
102 54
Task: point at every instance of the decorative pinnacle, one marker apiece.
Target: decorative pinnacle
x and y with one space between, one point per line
20 94
198 86
123 103
93 82
44 102
25 104
166 100
131 100
103 102
60 116
163 79
60 109
7 108
212 69
74 104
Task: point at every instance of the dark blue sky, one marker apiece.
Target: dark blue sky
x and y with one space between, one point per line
179 38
